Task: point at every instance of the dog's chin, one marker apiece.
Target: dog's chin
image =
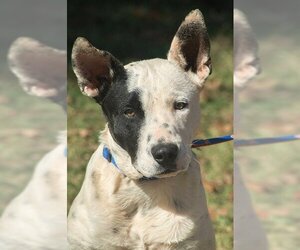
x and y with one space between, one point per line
163 173
170 173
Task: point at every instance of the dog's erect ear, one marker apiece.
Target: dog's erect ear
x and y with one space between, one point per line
95 69
42 70
190 48
246 60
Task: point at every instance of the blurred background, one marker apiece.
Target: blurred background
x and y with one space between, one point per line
135 31
269 106
29 125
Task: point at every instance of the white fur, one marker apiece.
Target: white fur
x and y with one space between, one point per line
90 92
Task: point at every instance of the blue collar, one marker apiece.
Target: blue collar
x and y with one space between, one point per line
108 156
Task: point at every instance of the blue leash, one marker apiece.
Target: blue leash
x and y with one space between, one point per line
266 140
244 142
207 142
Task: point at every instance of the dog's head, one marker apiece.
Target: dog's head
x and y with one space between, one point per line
246 60
152 106
42 71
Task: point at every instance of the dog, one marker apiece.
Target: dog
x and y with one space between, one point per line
142 188
37 218
248 231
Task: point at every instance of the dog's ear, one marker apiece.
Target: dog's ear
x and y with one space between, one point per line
246 60
95 69
190 48
42 70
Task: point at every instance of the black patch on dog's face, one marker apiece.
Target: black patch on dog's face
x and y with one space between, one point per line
125 130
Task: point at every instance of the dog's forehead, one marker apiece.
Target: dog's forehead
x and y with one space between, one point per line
158 76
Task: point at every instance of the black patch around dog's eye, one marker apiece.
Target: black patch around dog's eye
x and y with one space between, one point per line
129 113
125 129
165 125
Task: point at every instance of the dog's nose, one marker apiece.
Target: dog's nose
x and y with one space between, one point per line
165 154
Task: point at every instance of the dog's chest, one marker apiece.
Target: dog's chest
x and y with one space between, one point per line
146 220
125 215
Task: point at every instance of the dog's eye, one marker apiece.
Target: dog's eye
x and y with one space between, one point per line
180 105
129 113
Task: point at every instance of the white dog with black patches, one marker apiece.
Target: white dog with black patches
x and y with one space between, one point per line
142 188
36 218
